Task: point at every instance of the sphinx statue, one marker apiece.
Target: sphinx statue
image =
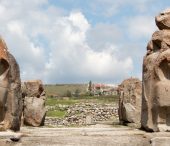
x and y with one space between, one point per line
10 90
156 78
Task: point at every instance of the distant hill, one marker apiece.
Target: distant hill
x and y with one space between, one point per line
59 90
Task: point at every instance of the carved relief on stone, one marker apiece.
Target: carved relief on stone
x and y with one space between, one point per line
156 78
10 90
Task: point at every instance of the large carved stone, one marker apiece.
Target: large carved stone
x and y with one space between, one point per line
156 78
10 90
163 20
34 103
130 94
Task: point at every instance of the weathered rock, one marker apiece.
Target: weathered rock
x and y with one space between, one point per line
130 94
10 90
128 113
89 120
33 88
163 20
34 103
156 81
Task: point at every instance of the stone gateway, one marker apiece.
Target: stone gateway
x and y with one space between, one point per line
156 78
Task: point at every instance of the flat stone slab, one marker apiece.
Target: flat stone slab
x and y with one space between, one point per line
84 136
160 141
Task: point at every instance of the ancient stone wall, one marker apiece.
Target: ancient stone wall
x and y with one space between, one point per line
156 78
130 95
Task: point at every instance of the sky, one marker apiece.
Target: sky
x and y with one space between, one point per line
74 41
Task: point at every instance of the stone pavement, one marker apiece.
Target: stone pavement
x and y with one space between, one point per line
97 135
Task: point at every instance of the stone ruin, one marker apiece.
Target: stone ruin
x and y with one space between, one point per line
34 103
12 98
82 114
130 94
156 78
10 90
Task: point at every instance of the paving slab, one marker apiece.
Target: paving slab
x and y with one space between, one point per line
96 135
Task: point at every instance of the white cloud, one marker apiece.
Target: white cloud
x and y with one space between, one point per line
141 26
79 21
77 59
103 63
102 36
55 48
15 27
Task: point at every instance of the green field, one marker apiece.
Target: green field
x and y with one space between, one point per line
57 113
59 90
95 99
54 101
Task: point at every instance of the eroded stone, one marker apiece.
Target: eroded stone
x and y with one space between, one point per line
130 93
156 81
34 103
163 20
10 90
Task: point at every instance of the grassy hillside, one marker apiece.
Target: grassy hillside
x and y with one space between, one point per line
64 89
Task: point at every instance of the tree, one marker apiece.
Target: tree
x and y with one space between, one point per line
90 88
68 94
77 93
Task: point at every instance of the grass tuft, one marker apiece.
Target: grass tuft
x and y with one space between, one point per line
57 114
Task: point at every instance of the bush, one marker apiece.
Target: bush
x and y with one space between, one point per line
68 93
77 93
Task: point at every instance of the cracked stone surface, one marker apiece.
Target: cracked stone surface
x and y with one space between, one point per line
95 135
